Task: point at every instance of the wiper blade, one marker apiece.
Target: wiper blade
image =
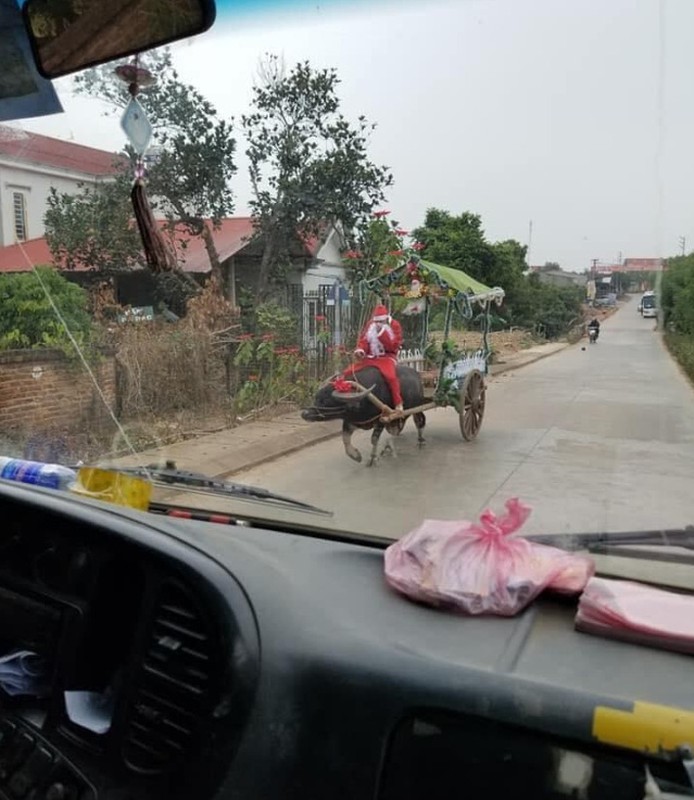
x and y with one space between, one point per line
604 542
197 482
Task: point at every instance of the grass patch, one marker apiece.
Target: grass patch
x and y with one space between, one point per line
681 346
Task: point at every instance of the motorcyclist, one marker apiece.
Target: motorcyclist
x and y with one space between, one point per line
594 324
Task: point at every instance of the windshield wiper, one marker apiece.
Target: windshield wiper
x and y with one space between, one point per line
197 482
618 544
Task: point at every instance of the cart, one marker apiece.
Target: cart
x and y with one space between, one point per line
450 376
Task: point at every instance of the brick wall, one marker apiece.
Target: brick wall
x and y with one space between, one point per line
40 390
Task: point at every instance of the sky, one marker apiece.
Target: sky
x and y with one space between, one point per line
566 125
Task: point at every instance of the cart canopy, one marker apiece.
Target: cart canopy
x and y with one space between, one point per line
463 283
434 280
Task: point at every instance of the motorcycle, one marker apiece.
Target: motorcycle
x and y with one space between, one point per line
592 335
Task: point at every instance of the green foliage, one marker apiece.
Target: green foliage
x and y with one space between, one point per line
27 318
93 229
308 164
677 295
268 319
545 309
277 320
459 242
376 248
681 345
270 373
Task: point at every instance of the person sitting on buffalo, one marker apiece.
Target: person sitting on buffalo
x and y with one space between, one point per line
378 346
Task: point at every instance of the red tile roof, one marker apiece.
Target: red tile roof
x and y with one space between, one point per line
233 235
46 151
22 257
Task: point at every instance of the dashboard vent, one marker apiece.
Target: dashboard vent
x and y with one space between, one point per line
174 684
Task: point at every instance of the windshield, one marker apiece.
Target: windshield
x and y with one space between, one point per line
365 206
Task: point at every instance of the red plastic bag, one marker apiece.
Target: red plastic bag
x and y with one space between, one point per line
481 568
636 613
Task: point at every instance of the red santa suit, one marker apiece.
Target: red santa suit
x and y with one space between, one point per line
378 346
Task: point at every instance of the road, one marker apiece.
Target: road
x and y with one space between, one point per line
595 438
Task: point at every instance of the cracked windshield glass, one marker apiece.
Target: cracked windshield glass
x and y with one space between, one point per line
392 262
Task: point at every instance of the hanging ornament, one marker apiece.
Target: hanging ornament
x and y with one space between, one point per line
138 129
415 288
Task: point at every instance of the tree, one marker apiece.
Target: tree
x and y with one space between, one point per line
189 176
94 229
28 318
377 247
308 165
459 242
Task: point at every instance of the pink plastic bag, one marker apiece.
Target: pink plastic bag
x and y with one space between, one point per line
636 613
480 568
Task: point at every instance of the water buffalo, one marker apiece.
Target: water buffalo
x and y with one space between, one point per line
361 413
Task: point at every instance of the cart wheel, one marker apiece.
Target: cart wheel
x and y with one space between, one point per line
472 399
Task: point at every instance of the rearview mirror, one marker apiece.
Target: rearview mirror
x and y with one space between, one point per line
70 35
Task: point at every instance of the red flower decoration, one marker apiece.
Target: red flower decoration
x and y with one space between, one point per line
381 214
320 318
245 337
396 253
342 386
352 254
418 246
268 337
400 232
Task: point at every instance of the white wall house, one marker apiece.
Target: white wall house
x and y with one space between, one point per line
328 264
30 165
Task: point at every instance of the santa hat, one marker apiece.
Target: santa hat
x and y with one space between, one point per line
380 314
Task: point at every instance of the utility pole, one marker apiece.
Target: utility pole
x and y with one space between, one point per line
530 242
683 242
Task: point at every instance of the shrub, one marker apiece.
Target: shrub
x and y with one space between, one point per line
28 318
682 348
677 295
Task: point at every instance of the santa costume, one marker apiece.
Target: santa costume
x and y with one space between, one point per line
378 346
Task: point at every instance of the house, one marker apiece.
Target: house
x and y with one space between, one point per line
314 262
644 265
316 280
30 165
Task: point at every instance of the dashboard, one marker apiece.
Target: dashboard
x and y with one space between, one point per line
183 659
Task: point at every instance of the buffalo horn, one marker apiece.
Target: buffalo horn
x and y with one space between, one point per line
351 397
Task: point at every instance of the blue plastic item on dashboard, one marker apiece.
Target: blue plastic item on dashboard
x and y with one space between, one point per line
49 476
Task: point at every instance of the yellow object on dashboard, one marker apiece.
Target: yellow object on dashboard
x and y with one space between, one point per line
113 487
647 727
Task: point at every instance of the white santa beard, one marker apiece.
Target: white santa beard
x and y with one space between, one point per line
375 346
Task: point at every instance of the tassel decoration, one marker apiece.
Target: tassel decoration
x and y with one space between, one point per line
157 252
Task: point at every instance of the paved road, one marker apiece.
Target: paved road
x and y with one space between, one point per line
595 438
